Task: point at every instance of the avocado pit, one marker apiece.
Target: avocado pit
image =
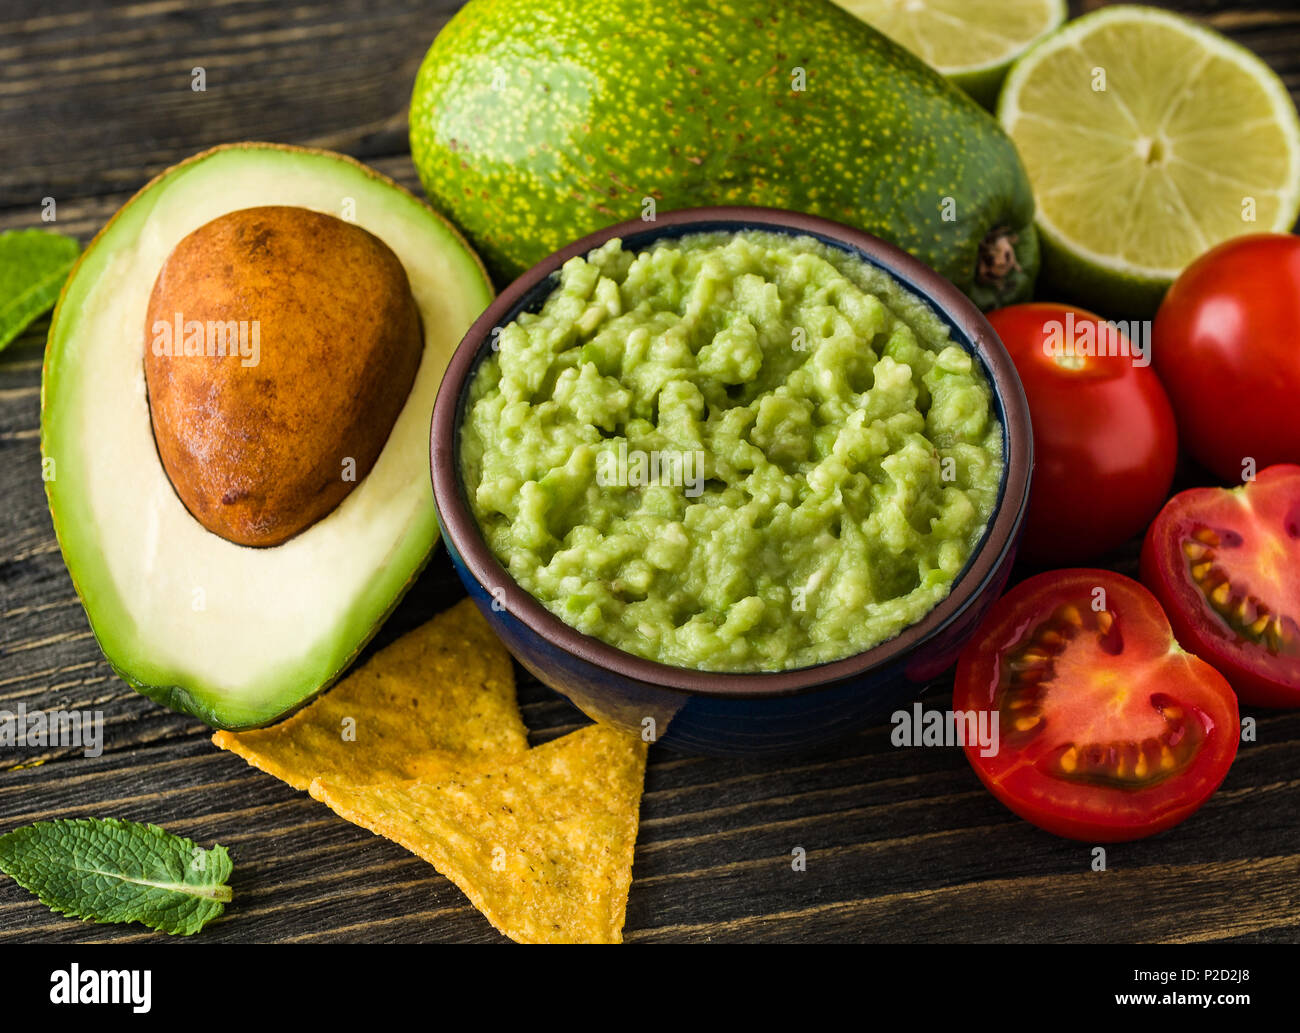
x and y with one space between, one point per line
280 346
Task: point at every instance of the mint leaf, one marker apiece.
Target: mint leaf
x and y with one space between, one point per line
33 266
106 870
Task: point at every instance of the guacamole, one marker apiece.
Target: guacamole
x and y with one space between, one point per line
731 452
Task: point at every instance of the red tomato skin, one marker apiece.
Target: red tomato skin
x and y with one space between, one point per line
976 684
1162 571
1105 442
1226 346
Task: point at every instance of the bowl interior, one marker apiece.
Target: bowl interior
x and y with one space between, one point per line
968 328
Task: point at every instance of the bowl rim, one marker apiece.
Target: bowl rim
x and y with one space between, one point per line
971 331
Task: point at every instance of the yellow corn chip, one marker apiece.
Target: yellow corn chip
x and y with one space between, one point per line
439 699
543 847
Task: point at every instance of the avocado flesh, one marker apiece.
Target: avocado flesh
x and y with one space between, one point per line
235 636
534 122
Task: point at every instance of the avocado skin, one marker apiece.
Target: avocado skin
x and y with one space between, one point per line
534 122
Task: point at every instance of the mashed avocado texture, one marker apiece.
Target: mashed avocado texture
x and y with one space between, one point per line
732 452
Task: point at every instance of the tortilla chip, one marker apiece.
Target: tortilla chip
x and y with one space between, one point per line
439 699
543 847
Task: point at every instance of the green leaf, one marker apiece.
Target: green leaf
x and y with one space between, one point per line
33 266
106 870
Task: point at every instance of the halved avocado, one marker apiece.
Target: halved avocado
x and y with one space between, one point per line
234 635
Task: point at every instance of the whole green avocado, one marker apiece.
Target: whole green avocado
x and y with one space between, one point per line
534 122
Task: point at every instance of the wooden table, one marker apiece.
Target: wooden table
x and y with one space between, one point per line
902 844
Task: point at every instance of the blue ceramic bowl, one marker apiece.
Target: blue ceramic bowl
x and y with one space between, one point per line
700 711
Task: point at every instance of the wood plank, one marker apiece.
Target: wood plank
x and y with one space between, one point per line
1234 899
902 845
94 96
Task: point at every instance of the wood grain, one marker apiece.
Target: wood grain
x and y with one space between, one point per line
902 845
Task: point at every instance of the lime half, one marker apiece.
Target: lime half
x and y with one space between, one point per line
1148 139
972 42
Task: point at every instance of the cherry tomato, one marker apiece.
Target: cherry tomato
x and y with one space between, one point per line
1107 730
1105 442
1227 348
1225 564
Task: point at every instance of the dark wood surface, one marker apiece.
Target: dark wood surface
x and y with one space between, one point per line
902 844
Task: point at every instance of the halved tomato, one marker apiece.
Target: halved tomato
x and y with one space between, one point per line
1107 730
1225 564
